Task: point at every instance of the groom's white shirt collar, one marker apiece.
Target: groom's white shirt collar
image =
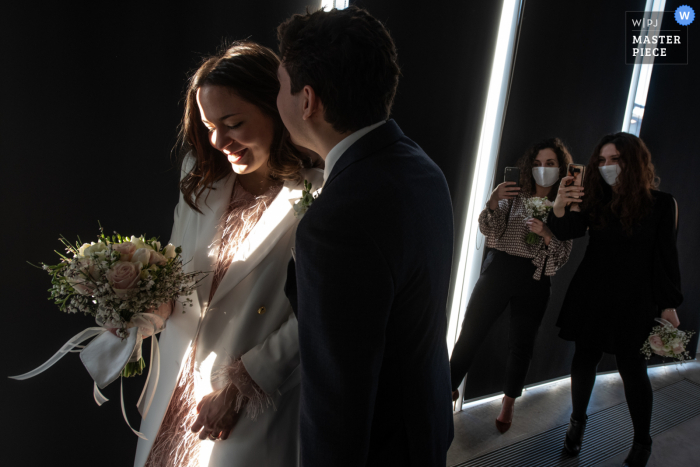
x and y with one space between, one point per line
340 148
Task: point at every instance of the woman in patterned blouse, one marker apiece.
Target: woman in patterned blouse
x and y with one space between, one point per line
514 271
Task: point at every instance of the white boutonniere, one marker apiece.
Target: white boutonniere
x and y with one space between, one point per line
307 199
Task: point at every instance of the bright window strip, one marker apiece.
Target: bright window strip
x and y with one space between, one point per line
641 75
337 4
471 251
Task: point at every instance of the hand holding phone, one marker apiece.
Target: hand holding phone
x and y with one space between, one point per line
577 172
509 189
568 193
512 174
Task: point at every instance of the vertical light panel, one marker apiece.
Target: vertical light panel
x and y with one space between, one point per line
471 249
641 75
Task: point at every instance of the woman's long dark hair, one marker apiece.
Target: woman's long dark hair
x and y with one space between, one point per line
632 200
525 163
249 70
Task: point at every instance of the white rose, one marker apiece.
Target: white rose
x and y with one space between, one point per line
676 345
142 255
98 249
170 251
140 243
81 250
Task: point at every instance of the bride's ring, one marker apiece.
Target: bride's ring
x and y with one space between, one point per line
212 437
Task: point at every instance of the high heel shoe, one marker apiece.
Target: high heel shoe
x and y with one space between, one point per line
574 436
638 456
502 427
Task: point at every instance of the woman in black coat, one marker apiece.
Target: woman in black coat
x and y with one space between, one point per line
628 276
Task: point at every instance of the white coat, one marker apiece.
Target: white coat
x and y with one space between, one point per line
231 326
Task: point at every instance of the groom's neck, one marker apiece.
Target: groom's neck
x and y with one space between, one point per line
326 138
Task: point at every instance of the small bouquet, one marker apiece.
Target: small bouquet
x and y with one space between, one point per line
667 341
121 282
537 208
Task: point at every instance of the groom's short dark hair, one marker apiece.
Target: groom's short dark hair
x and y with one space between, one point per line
348 58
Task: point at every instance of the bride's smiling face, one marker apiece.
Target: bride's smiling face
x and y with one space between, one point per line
237 128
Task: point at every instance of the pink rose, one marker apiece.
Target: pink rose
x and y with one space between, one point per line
656 344
127 250
124 277
157 258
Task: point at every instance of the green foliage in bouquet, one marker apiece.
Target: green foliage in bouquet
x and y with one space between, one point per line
134 368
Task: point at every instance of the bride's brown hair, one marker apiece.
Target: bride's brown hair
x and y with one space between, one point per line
249 70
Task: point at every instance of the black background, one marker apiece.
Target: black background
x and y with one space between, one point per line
91 101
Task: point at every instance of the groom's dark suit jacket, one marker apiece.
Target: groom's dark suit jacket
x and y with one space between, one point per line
373 261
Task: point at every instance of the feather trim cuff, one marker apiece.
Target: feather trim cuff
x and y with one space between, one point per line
250 394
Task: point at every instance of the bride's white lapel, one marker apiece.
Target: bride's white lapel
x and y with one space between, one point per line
248 317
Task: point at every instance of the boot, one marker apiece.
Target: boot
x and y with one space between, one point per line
574 436
638 456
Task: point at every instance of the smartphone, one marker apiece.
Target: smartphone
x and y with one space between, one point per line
577 171
512 175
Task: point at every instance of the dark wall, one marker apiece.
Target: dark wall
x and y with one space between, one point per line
571 81
445 51
91 101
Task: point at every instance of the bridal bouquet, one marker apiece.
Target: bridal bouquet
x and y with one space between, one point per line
117 277
667 341
121 282
537 208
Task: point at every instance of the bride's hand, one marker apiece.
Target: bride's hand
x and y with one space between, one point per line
164 310
217 415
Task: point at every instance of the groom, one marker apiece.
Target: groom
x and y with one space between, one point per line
373 254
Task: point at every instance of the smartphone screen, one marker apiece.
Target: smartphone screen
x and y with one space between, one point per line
577 171
512 174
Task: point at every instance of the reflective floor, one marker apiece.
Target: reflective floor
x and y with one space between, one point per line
545 407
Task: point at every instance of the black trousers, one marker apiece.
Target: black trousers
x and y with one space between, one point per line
638 391
504 279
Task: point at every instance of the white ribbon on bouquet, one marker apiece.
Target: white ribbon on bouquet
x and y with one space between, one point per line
106 356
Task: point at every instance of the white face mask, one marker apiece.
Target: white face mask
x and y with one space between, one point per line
610 173
545 176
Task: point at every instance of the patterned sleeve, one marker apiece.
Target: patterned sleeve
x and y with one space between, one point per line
493 223
558 253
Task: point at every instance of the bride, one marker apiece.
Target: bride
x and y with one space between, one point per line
228 392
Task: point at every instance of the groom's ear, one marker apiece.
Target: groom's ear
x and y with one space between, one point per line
311 105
